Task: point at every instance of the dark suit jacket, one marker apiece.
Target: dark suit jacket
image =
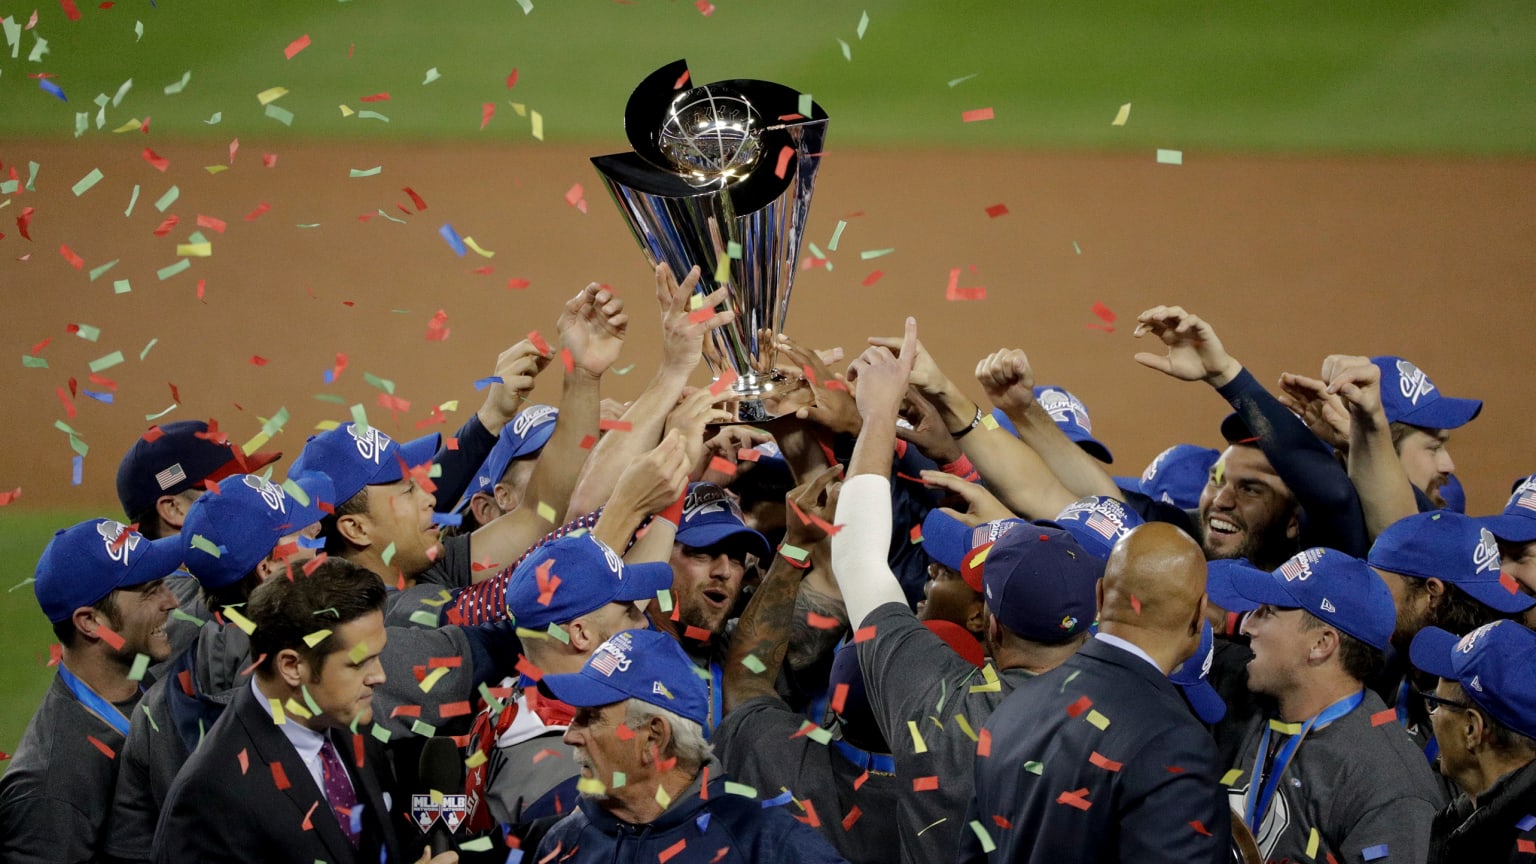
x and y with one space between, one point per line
216 812
1145 788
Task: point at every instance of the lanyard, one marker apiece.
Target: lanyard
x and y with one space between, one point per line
882 762
1262 787
104 710
716 707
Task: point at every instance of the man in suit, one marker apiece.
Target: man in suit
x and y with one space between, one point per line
1100 759
283 776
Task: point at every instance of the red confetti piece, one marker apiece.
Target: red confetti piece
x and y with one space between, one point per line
24 221
839 696
1173 769
863 634
1077 708
997 210
517 284
55 654
234 147
861 780
1103 312
201 285
547 581
853 816
416 200
69 406
38 348
8 497
245 761
722 466
406 711
437 328
445 662
261 208
810 818
623 732
748 454
955 292
269 160
1526 847
916 534
1136 604
279 776
671 852
71 11
107 634
681 80
487 111
606 425
155 159
872 278
307 825
822 622
1382 718
1200 828
539 344
707 9
576 197
296 46
784 157
568 361
167 225
697 634
700 315
720 854
529 668
74 260
721 384
454 709
512 79
105 750
211 223
377 97
1078 799
976 114
925 784
258 360
588 442
1099 760
1509 583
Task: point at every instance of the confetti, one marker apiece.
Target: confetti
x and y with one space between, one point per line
847 55
1170 157
1382 718
159 162
366 172
74 260
106 362
82 186
1371 853
1122 115
1098 720
1078 799
296 46
280 114
997 210
487 111
982 837
177 87
976 115
925 784
1098 760
52 89
863 26
166 200
451 237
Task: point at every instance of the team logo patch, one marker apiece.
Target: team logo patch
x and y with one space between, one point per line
119 548
1412 382
615 563
270 492
613 656
371 443
1068 623
1065 408
1486 556
708 499
1469 641
1150 474
532 418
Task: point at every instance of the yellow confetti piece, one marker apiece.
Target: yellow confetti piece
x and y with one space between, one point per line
993 685
1312 841
239 620
547 513
450 405
358 652
271 94
1230 777
591 786
194 250
216 169
432 678
525 633
470 242
1097 720
537 120
918 744
520 108
442 597
345 111
297 710
1123 115
278 717
257 442
316 637
965 726
476 760
989 422
1284 728
435 796
663 798
131 126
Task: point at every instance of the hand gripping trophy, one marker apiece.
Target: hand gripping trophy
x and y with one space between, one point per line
721 176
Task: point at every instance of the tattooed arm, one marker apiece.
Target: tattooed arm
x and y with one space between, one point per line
777 614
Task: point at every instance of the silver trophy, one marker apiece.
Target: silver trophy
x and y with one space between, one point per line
721 176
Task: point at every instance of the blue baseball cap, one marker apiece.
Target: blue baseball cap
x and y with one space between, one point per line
526 435
1408 396
1495 664
1453 494
1098 522
230 531
84 563
1038 581
355 458
1337 588
1452 548
178 456
567 578
1221 573
1070 415
947 539
1178 475
1191 677
1517 524
647 665
710 516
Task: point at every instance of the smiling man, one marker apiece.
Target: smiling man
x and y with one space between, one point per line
103 588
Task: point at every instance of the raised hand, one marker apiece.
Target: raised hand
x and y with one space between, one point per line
927 430
833 408
690 418
1008 380
1322 411
926 374
1195 353
981 506
592 327
683 332
1357 381
655 480
817 499
727 444
881 378
516 367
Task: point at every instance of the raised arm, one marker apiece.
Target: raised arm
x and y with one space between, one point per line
1386 495
516 368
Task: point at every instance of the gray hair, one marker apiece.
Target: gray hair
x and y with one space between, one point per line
688 743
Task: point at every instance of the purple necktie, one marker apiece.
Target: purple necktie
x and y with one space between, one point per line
338 790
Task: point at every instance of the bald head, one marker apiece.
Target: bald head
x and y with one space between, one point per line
1153 591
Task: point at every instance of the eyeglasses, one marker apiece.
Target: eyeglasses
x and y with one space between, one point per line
1435 703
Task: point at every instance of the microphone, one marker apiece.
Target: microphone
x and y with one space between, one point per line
441 768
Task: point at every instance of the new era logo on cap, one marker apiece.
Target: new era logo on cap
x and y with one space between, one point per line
1412 382
1327 606
119 547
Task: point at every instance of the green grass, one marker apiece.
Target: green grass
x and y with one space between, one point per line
24 645
1401 76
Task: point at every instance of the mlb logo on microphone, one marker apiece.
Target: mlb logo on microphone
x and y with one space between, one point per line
452 809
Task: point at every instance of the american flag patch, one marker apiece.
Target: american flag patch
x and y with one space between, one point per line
1526 500
170 477
1104 526
1293 569
606 662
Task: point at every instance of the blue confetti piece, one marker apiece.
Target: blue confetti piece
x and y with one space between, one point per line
482 383
1371 853
454 519
77 470
329 376
454 242
702 822
48 86
514 856
311 542
99 397
778 801
1526 823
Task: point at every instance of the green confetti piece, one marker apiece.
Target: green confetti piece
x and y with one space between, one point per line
82 124
12 34
139 667
177 87
874 253
32 176
308 225
756 665
97 271
982 837
794 553
1034 768
309 701
962 79
432 75
837 234
79 446
389 553
664 600
157 415
626 370
479 844
558 632
527 6
847 51
315 638
64 427
360 417
379 733
334 398
366 172
84 184
733 249
214 120
742 789
9 187
190 619
145 352
138 30
208 546
87 332
197 237
106 361
371 115
864 25
807 104
424 618
280 114
390 218
167 199
1076 248
816 250
121 286
820 736
496 705
167 272
384 384
30 362
150 717
132 200
122 90
425 730
1170 157
38 50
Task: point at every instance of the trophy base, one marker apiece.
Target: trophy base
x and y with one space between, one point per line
763 399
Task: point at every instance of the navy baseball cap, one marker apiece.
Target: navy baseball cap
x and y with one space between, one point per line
1495 664
86 562
947 540
1178 475
1450 547
1234 430
230 531
857 714
1098 522
354 458
1191 677
173 458
1221 573
1408 396
1517 524
1339 589
711 516
1039 582
567 578
526 435
647 665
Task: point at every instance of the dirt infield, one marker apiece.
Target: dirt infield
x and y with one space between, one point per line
1290 258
